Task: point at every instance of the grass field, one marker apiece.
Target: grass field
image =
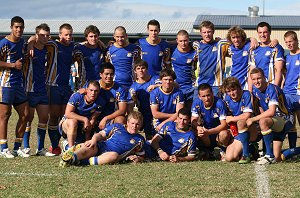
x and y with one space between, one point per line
41 177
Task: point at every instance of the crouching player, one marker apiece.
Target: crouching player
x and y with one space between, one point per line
175 142
111 145
80 115
209 119
274 119
239 105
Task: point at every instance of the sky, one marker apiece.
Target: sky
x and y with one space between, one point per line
179 10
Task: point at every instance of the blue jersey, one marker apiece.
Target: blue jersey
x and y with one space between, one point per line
82 108
210 117
173 139
157 56
183 66
273 95
113 95
120 141
244 105
35 71
292 77
59 61
166 102
123 58
264 57
211 59
240 63
10 52
89 61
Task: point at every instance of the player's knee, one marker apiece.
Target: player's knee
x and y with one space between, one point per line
241 124
263 123
5 115
224 138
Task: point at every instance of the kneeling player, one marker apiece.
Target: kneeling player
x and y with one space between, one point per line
176 142
111 145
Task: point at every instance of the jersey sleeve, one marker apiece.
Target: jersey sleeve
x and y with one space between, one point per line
122 95
272 92
222 109
279 55
192 145
75 97
180 97
248 108
154 100
194 110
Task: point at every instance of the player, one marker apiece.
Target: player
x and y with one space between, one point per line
122 55
12 89
153 50
89 56
111 145
140 94
274 119
176 142
184 60
269 59
209 119
35 86
81 113
291 86
240 108
165 100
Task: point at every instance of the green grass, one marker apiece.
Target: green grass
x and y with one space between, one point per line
42 177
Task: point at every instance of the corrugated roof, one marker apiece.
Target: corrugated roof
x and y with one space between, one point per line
246 22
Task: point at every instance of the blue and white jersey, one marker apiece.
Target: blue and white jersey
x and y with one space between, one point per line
240 63
211 59
166 102
157 56
123 58
113 95
89 62
83 108
120 141
265 57
244 105
210 116
183 66
292 78
173 139
273 95
59 61
10 52
35 71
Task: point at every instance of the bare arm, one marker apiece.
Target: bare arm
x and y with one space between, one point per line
278 72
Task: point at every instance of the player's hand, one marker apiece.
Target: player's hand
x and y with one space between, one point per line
201 131
254 43
150 88
174 159
229 119
133 158
249 122
163 155
90 143
87 125
18 64
102 123
273 43
30 47
82 91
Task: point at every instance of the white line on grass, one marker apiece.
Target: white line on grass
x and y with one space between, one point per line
262 182
29 174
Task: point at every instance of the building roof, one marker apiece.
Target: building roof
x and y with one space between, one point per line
246 22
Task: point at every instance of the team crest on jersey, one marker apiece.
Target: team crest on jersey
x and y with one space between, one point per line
132 141
268 53
129 54
112 99
214 49
181 140
189 60
297 62
161 53
245 53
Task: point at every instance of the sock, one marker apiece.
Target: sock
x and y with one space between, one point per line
3 144
244 138
53 130
18 143
289 153
26 136
41 133
93 161
75 159
292 136
268 139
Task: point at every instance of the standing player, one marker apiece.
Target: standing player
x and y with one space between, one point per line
122 55
35 86
209 119
274 119
11 85
176 142
165 100
184 60
140 94
269 59
153 50
111 145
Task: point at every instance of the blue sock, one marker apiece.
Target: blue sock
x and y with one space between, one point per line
26 136
244 138
292 136
3 144
18 143
75 159
41 133
53 130
268 139
289 153
93 161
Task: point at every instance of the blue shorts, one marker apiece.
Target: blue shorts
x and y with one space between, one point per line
60 95
12 95
35 99
188 96
293 101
